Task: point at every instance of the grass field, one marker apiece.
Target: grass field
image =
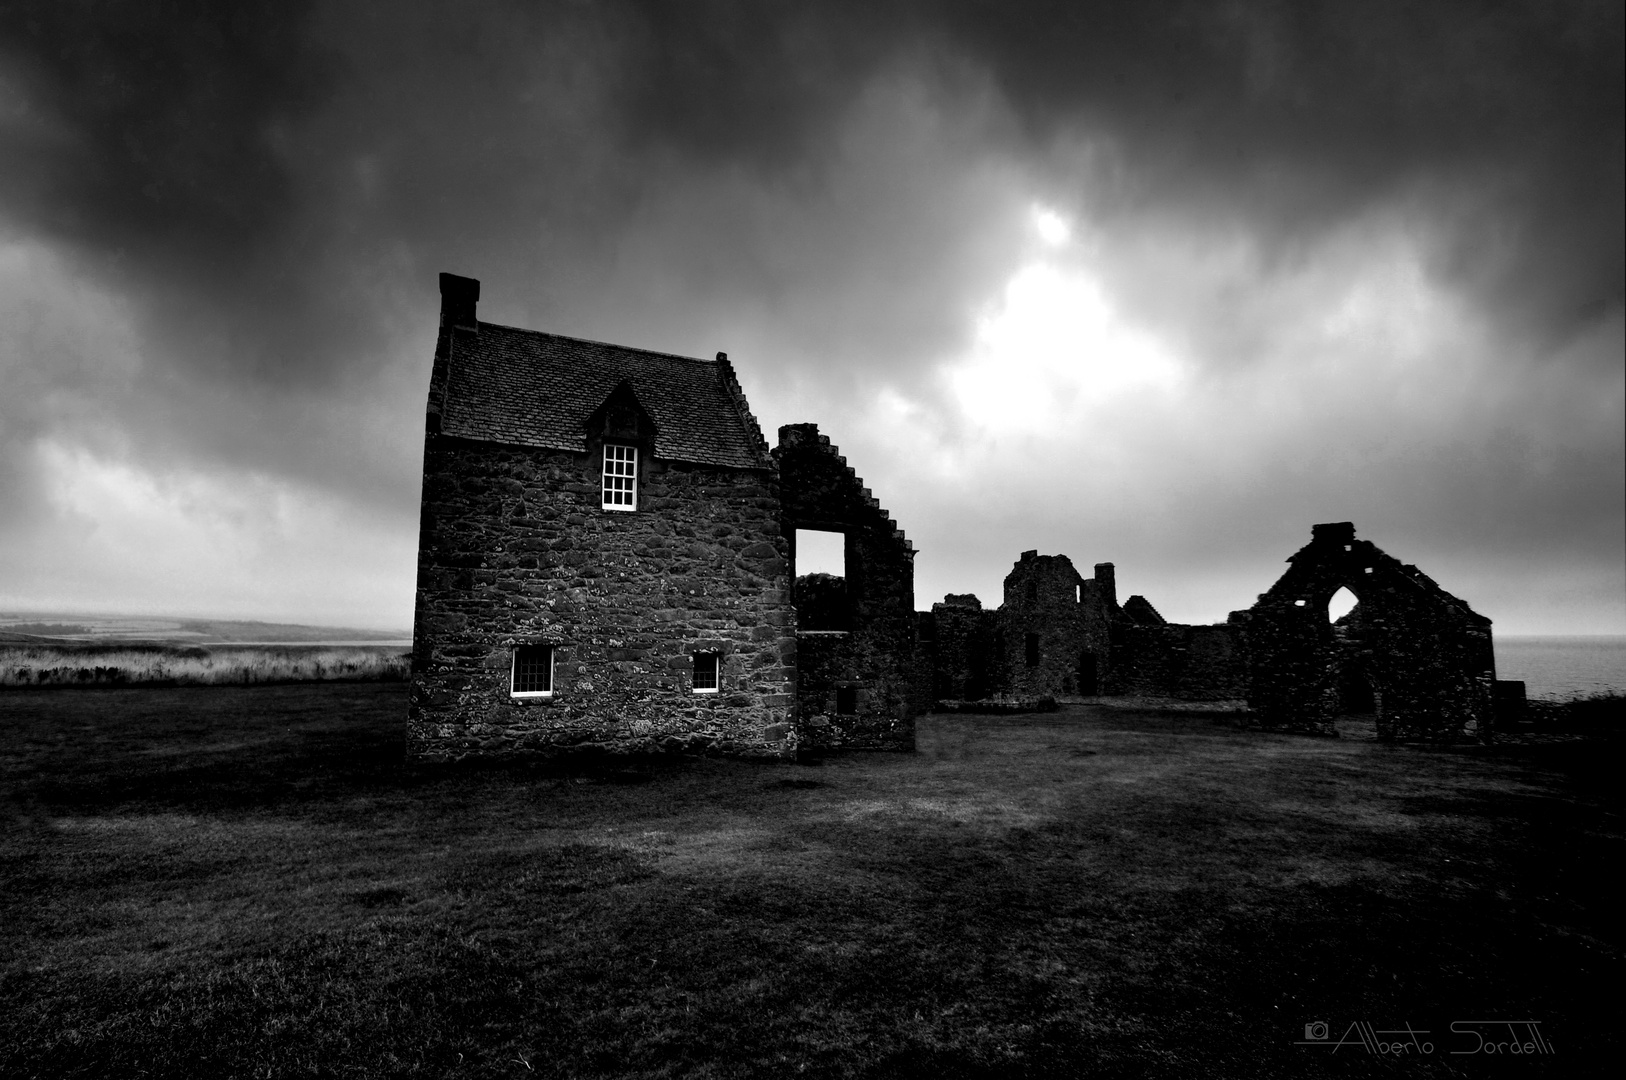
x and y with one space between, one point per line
247 882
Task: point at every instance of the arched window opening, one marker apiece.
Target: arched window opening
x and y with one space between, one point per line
1342 603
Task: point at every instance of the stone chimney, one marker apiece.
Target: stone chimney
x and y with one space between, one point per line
458 299
1106 582
1333 532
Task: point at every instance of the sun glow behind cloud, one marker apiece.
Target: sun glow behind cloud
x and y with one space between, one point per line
1053 348
1052 228
1054 342
1119 381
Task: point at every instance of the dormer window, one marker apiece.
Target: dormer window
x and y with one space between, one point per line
620 487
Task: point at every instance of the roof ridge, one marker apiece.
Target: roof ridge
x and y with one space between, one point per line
736 393
595 341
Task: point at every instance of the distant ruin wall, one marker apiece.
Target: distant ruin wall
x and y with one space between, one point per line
969 661
1172 660
1412 655
1423 655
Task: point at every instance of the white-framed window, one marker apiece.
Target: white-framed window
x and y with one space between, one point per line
620 477
706 673
532 674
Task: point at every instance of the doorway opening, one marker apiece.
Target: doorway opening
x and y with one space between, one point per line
1088 683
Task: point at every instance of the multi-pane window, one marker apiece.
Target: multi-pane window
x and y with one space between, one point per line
705 673
533 671
620 477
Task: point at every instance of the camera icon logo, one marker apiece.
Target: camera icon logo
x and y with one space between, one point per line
1317 1030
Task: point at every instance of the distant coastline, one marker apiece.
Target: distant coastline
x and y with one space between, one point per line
57 627
1553 667
1562 667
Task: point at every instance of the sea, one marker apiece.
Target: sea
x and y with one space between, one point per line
1560 668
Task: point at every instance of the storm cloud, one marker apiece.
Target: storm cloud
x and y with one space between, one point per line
1292 262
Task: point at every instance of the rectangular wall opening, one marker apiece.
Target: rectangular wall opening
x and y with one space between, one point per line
822 601
821 552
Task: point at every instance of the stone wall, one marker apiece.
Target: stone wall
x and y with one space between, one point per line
1424 654
515 550
821 603
969 662
855 688
1174 660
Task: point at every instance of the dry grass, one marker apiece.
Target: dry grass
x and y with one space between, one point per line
245 882
218 665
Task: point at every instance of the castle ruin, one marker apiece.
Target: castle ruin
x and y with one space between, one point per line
606 563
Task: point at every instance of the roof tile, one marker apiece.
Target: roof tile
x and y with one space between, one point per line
533 389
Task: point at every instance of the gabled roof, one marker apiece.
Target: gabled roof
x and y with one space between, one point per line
524 387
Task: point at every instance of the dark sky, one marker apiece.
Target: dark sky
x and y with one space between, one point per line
1155 283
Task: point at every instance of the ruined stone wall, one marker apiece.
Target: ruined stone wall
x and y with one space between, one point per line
1173 660
1044 627
514 549
1425 655
821 603
970 662
1056 626
923 665
1099 611
855 688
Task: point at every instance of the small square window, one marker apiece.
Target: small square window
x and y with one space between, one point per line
705 673
620 487
532 675
846 700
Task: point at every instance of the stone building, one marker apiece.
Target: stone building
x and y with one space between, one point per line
1050 638
1056 626
605 561
1409 652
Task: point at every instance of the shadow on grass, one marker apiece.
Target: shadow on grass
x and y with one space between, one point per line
201 748
232 882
